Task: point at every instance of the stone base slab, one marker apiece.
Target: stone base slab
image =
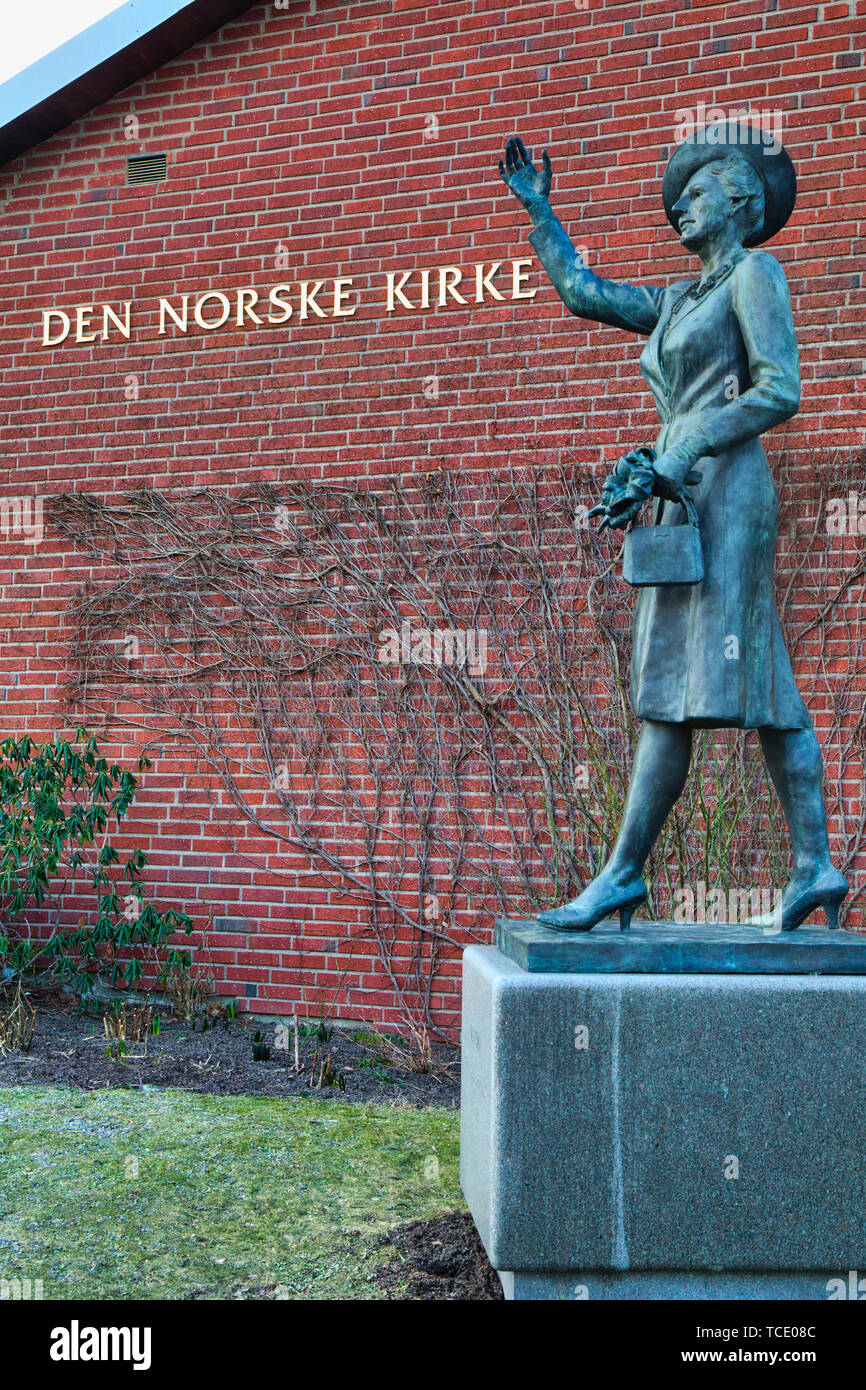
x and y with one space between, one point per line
669 948
533 1285
679 1126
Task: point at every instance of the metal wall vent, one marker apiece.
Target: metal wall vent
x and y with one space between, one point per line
146 168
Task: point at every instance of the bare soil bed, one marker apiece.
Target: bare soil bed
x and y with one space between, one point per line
70 1048
440 1258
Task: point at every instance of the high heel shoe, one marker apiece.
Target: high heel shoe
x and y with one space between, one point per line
597 901
827 890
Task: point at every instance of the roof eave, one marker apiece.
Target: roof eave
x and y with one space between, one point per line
74 83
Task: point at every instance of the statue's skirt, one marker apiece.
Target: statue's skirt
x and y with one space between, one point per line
713 653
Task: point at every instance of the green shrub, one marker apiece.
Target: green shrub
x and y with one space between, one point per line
57 801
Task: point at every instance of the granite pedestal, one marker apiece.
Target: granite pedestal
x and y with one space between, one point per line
693 1131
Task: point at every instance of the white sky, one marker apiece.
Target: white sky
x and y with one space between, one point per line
31 28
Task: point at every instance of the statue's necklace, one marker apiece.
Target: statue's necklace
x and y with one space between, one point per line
698 288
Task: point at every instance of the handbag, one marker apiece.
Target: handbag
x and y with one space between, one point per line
663 554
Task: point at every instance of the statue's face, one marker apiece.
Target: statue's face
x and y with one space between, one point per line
703 210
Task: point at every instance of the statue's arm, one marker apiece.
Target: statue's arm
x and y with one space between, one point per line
634 307
762 304
588 296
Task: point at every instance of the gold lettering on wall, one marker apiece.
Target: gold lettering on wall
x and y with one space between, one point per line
395 291
62 333
224 309
246 300
306 301
83 332
166 307
484 283
277 297
519 275
449 277
341 296
123 326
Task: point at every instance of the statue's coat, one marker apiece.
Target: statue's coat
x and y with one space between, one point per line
727 366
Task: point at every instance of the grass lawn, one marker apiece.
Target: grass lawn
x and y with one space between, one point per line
167 1194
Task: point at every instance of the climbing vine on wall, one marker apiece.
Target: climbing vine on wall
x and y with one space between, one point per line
421 688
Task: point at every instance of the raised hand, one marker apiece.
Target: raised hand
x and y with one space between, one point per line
527 183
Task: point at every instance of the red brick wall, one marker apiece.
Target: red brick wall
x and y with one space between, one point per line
365 137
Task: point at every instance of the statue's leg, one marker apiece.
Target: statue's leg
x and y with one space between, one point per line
658 775
793 758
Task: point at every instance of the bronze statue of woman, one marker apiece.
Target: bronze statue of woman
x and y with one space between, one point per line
721 361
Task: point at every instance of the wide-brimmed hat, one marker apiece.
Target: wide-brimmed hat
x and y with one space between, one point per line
765 153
